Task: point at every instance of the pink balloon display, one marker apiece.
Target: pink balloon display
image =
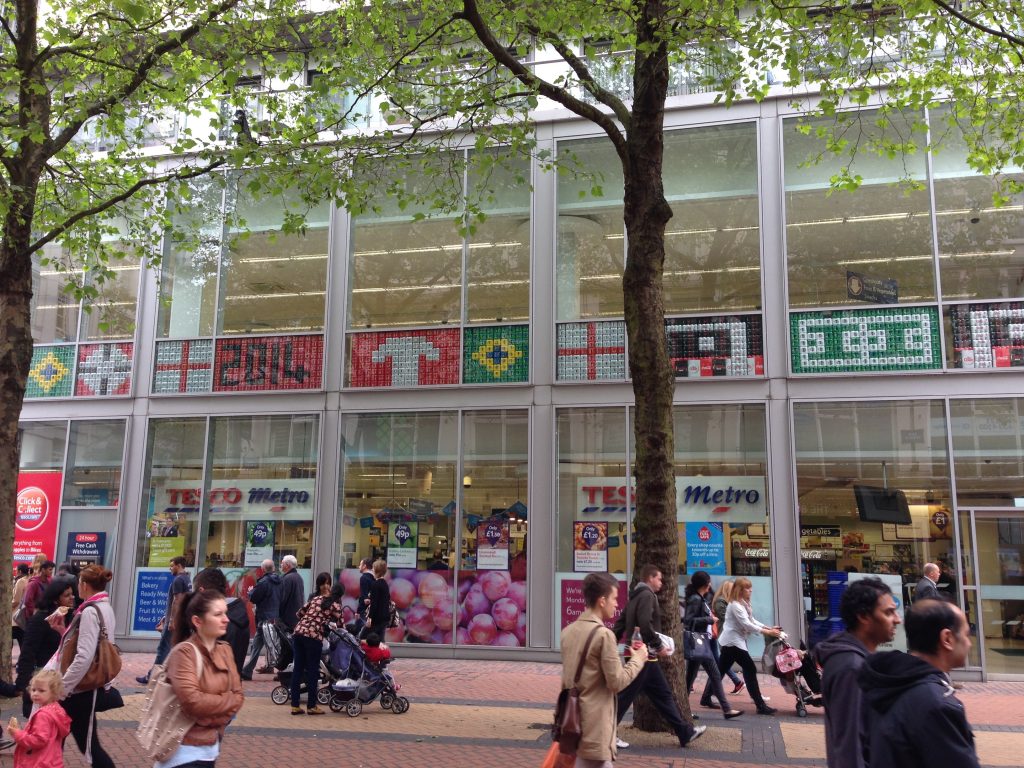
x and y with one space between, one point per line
402 592
517 593
506 639
505 613
476 602
420 620
520 629
350 580
482 629
433 588
495 584
444 613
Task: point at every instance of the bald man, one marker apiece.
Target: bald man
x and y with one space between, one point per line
927 587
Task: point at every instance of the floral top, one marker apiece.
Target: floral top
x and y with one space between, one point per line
313 618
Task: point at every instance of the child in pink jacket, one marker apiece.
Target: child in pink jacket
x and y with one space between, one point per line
40 744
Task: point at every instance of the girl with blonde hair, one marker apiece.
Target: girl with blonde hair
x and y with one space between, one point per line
718 605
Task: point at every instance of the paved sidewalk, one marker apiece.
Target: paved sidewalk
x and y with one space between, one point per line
480 714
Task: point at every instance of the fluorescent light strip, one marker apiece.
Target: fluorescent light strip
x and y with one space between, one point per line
256 296
64 273
263 259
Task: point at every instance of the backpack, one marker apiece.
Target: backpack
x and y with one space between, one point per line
162 724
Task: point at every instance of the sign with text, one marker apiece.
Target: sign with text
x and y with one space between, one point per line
87 547
37 514
570 604
874 290
163 548
402 544
705 548
151 585
259 541
492 545
718 498
263 363
846 341
589 546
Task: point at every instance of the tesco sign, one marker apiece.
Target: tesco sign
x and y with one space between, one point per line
719 498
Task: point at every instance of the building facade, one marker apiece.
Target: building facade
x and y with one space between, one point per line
849 369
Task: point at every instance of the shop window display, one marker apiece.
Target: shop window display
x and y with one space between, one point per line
95 458
873 483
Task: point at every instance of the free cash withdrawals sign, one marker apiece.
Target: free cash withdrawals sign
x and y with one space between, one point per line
718 498
37 515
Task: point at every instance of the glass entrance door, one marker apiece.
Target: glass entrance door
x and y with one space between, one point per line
998 539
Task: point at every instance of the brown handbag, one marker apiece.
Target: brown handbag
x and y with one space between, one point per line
568 728
105 665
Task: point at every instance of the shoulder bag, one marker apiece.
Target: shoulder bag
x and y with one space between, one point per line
162 724
106 664
697 646
568 729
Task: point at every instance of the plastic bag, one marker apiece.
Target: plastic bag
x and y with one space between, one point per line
555 759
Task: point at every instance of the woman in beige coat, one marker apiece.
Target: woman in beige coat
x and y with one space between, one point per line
603 674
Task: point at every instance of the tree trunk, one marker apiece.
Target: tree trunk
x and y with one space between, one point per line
646 214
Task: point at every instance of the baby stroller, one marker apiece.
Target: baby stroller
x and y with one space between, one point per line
796 670
362 681
283 691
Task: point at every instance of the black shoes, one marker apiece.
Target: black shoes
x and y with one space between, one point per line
766 710
732 713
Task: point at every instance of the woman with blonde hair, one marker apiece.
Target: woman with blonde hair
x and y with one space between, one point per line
718 605
739 623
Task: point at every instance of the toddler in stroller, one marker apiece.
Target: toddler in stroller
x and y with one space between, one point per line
363 680
797 671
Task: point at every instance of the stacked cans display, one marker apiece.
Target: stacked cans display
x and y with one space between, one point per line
729 345
988 335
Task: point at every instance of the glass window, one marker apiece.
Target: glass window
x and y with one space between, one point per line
111 314
273 282
492 573
173 497
192 251
261 497
398 503
498 263
589 250
95 457
874 498
407 270
54 311
42 444
712 241
988 451
881 232
980 244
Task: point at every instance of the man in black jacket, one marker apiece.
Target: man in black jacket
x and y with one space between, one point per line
927 588
267 601
291 592
643 611
913 717
869 611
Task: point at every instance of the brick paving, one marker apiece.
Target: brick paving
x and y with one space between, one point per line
480 714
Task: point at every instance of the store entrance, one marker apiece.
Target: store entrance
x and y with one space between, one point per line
994 588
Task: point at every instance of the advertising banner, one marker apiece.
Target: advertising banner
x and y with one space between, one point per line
402 549
163 548
37 515
151 585
705 548
87 547
492 545
718 498
259 541
569 602
589 546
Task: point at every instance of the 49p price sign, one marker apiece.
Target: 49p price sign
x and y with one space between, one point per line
866 340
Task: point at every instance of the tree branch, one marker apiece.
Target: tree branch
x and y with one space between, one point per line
1001 32
471 14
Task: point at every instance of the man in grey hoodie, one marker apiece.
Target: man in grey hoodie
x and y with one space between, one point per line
869 612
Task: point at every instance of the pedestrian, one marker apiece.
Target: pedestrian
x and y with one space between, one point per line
378 611
181 585
264 595
643 613
307 645
40 744
18 594
602 675
239 628
913 718
322 585
719 604
366 579
80 703
36 585
700 618
739 623
869 612
927 588
43 634
213 695
291 591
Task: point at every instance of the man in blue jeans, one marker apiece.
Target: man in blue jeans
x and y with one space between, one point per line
181 584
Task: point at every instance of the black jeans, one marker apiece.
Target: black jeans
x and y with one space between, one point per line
79 707
306 665
653 684
733 655
714 684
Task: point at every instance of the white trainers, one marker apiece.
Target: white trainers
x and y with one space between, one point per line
620 744
698 731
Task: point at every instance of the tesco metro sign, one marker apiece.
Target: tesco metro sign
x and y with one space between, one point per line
718 498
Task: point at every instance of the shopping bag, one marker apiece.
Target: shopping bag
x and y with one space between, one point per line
555 759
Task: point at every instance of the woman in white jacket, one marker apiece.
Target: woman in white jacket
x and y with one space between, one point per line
740 623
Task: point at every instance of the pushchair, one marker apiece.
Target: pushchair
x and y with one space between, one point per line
796 670
328 674
361 681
